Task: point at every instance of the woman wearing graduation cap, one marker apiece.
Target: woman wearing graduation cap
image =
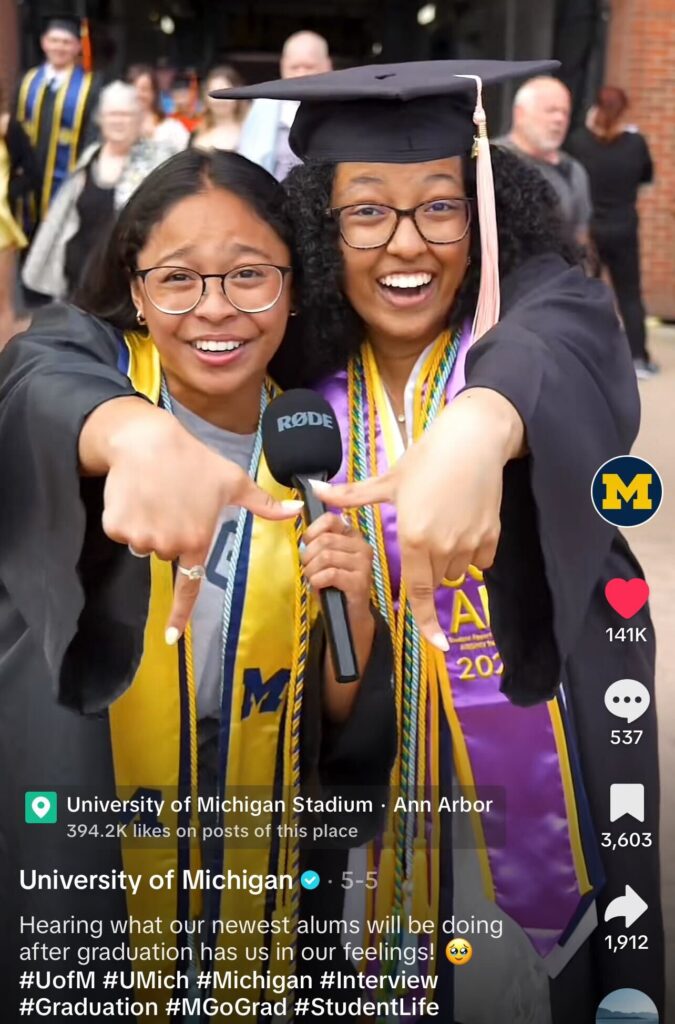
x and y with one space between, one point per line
480 380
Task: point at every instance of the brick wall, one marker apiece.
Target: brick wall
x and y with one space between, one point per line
641 59
9 45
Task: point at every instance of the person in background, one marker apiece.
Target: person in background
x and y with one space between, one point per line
103 180
541 120
220 126
155 125
55 105
165 77
264 135
185 96
618 161
18 175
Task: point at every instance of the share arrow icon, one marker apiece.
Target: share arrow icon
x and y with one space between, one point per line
629 906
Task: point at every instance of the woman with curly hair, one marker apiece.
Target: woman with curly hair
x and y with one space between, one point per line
470 460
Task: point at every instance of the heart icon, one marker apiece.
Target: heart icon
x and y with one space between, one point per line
627 597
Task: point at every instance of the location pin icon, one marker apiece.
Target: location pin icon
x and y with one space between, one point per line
41 806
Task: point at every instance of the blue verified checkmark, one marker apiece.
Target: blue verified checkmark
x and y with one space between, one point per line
310 880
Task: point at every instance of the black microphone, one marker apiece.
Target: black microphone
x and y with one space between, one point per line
301 439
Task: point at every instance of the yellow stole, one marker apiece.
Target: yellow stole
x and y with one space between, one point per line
154 739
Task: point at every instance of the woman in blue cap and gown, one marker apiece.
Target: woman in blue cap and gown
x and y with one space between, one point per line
480 380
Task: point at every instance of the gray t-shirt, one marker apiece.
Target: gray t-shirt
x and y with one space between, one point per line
568 179
207 618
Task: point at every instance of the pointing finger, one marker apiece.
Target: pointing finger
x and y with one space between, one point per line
189 576
248 495
417 571
365 492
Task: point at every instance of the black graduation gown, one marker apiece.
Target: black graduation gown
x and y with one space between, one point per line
24 178
561 358
73 606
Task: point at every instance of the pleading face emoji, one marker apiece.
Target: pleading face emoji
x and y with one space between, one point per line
459 951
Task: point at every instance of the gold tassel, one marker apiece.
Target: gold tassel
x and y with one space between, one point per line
420 894
385 879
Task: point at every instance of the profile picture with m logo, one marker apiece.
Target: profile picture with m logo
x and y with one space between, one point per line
626 491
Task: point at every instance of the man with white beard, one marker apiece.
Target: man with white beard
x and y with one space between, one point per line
541 119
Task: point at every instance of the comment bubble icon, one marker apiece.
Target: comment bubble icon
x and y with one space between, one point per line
627 698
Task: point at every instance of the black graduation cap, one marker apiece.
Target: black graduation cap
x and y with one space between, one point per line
405 113
388 113
64 23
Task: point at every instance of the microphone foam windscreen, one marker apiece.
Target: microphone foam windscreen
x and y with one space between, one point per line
301 436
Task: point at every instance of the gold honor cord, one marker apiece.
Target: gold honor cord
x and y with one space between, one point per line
54 144
405 880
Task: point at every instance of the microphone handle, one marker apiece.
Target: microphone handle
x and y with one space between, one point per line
333 603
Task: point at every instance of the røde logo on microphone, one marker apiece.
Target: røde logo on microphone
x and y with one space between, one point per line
305 419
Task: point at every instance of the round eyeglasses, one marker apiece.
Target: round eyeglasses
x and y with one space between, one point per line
371 225
250 289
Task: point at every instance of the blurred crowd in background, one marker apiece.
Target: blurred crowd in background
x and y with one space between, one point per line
73 149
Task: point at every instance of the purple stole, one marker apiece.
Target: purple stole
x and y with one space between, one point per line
530 848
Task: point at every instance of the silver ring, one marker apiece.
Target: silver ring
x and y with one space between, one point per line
138 554
197 573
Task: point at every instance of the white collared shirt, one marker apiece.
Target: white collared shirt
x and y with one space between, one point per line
54 78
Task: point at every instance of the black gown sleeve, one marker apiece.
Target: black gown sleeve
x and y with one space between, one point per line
24 174
351 759
560 356
82 597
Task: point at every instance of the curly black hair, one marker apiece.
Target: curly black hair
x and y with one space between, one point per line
529 223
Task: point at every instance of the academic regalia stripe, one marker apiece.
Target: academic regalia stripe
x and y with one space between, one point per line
563 745
233 642
588 838
25 91
227 696
185 783
48 180
123 357
78 119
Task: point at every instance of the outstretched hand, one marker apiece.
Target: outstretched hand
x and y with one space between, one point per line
447 490
165 491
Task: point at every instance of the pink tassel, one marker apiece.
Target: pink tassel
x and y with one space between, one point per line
487 307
